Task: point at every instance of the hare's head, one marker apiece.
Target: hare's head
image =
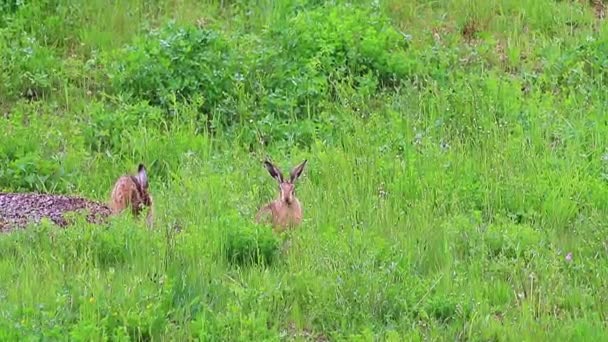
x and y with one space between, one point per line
286 186
141 183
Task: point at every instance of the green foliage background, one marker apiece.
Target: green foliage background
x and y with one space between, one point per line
458 150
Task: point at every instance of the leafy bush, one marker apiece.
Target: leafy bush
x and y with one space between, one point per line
103 245
8 7
249 244
176 64
579 68
28 69
442 308
295 69
36 155
341 46
287 70
511 240
107 128
248 325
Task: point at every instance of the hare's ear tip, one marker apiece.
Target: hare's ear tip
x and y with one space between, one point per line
141 167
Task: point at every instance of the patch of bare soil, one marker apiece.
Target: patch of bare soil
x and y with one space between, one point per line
470 30
17 210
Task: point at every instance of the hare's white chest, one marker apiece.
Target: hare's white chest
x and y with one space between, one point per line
286 215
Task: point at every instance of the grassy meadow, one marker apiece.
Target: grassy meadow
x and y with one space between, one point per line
457 153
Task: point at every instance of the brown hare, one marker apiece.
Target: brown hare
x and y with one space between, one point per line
132 190
286 210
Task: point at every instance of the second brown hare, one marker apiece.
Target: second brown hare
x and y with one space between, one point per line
286 210
132 191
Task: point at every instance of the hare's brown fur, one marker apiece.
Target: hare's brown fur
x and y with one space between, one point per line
286 210
132 191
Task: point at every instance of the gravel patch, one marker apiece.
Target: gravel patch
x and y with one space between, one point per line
17 210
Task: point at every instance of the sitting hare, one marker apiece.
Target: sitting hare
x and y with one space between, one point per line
132 190
286 209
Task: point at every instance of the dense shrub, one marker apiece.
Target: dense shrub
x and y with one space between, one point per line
106 129
584 67
512 240
299 68
246 243
35 38
38 155
340 46
8 7
28 69
175 64
288 70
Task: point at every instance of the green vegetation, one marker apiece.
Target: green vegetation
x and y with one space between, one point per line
457 152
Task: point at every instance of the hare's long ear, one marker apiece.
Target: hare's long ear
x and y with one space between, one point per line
274 171
142 176
297 171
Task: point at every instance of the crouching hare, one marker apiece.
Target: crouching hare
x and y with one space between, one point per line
132 190
286 210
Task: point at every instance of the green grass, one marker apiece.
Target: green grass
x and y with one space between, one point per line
457 151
